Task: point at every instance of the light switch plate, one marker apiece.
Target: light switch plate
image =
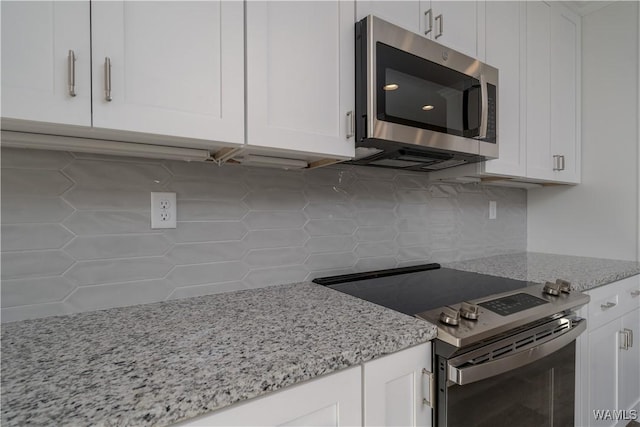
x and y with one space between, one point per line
163 210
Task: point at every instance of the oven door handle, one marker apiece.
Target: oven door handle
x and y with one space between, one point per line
504 364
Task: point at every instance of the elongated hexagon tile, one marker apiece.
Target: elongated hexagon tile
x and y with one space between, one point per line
34 182
334 176
34 159
378 217
105 222
275 257
207 289
195 188
327 194
279 200
328 210
200 253
20 237
413 196
198 274
326 261
35 290
330 227
376 249
117 270
265 220
105 247
102 175
86 298
210 210
226 173
261 277
22 210
18 265
322 244
34 311
273 179
121 199
414 253
375 263
375 234
207 231
275 238
414 181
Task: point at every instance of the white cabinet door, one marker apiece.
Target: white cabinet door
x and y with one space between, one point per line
552 93
395 386
455 24
503 45
177 68
334 400
603 371
538 93
300 76
630 363
36 40
565 90
405 14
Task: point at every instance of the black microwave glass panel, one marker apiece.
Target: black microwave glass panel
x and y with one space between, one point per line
419 93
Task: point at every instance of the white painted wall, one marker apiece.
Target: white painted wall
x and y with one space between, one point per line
600 217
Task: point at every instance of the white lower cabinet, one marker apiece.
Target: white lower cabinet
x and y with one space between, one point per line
334 400
397 389
391 391
609 356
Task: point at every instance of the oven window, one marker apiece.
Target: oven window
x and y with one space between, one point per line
536 395
416 92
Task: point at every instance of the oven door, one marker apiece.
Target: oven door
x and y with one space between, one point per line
525 380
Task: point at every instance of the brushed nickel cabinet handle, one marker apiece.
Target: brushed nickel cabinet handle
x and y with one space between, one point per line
71 70
432 389
608 305
428 16
441 26
350 125
107 79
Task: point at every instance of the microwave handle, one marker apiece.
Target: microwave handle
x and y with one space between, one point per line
484 113
496 367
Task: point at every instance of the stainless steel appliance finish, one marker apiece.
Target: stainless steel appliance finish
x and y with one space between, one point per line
501 358
406 138
491 324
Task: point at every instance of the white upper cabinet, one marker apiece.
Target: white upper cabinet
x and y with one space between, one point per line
176 68
454 24
301 76
553 85
503 45
405 14
38 39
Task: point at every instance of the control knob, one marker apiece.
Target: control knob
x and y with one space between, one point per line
555 289
450 316
469 311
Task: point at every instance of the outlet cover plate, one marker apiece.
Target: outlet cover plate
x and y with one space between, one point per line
163 210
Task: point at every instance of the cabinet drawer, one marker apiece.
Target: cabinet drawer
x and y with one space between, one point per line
611 301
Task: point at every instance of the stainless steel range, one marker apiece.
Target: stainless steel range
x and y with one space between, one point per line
505 351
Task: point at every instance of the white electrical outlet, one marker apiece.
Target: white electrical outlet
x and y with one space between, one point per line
163 210
493 209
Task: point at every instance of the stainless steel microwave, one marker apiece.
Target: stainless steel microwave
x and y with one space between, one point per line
420 105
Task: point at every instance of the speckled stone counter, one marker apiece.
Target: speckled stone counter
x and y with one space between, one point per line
583 273
160 363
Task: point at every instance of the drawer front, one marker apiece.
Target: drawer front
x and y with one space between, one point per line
611 301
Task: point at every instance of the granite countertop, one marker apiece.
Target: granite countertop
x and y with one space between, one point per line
583 273
157 364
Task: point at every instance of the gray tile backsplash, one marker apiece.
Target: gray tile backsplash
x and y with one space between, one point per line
76 233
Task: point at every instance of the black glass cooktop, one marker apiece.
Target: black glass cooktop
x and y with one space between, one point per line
412 290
